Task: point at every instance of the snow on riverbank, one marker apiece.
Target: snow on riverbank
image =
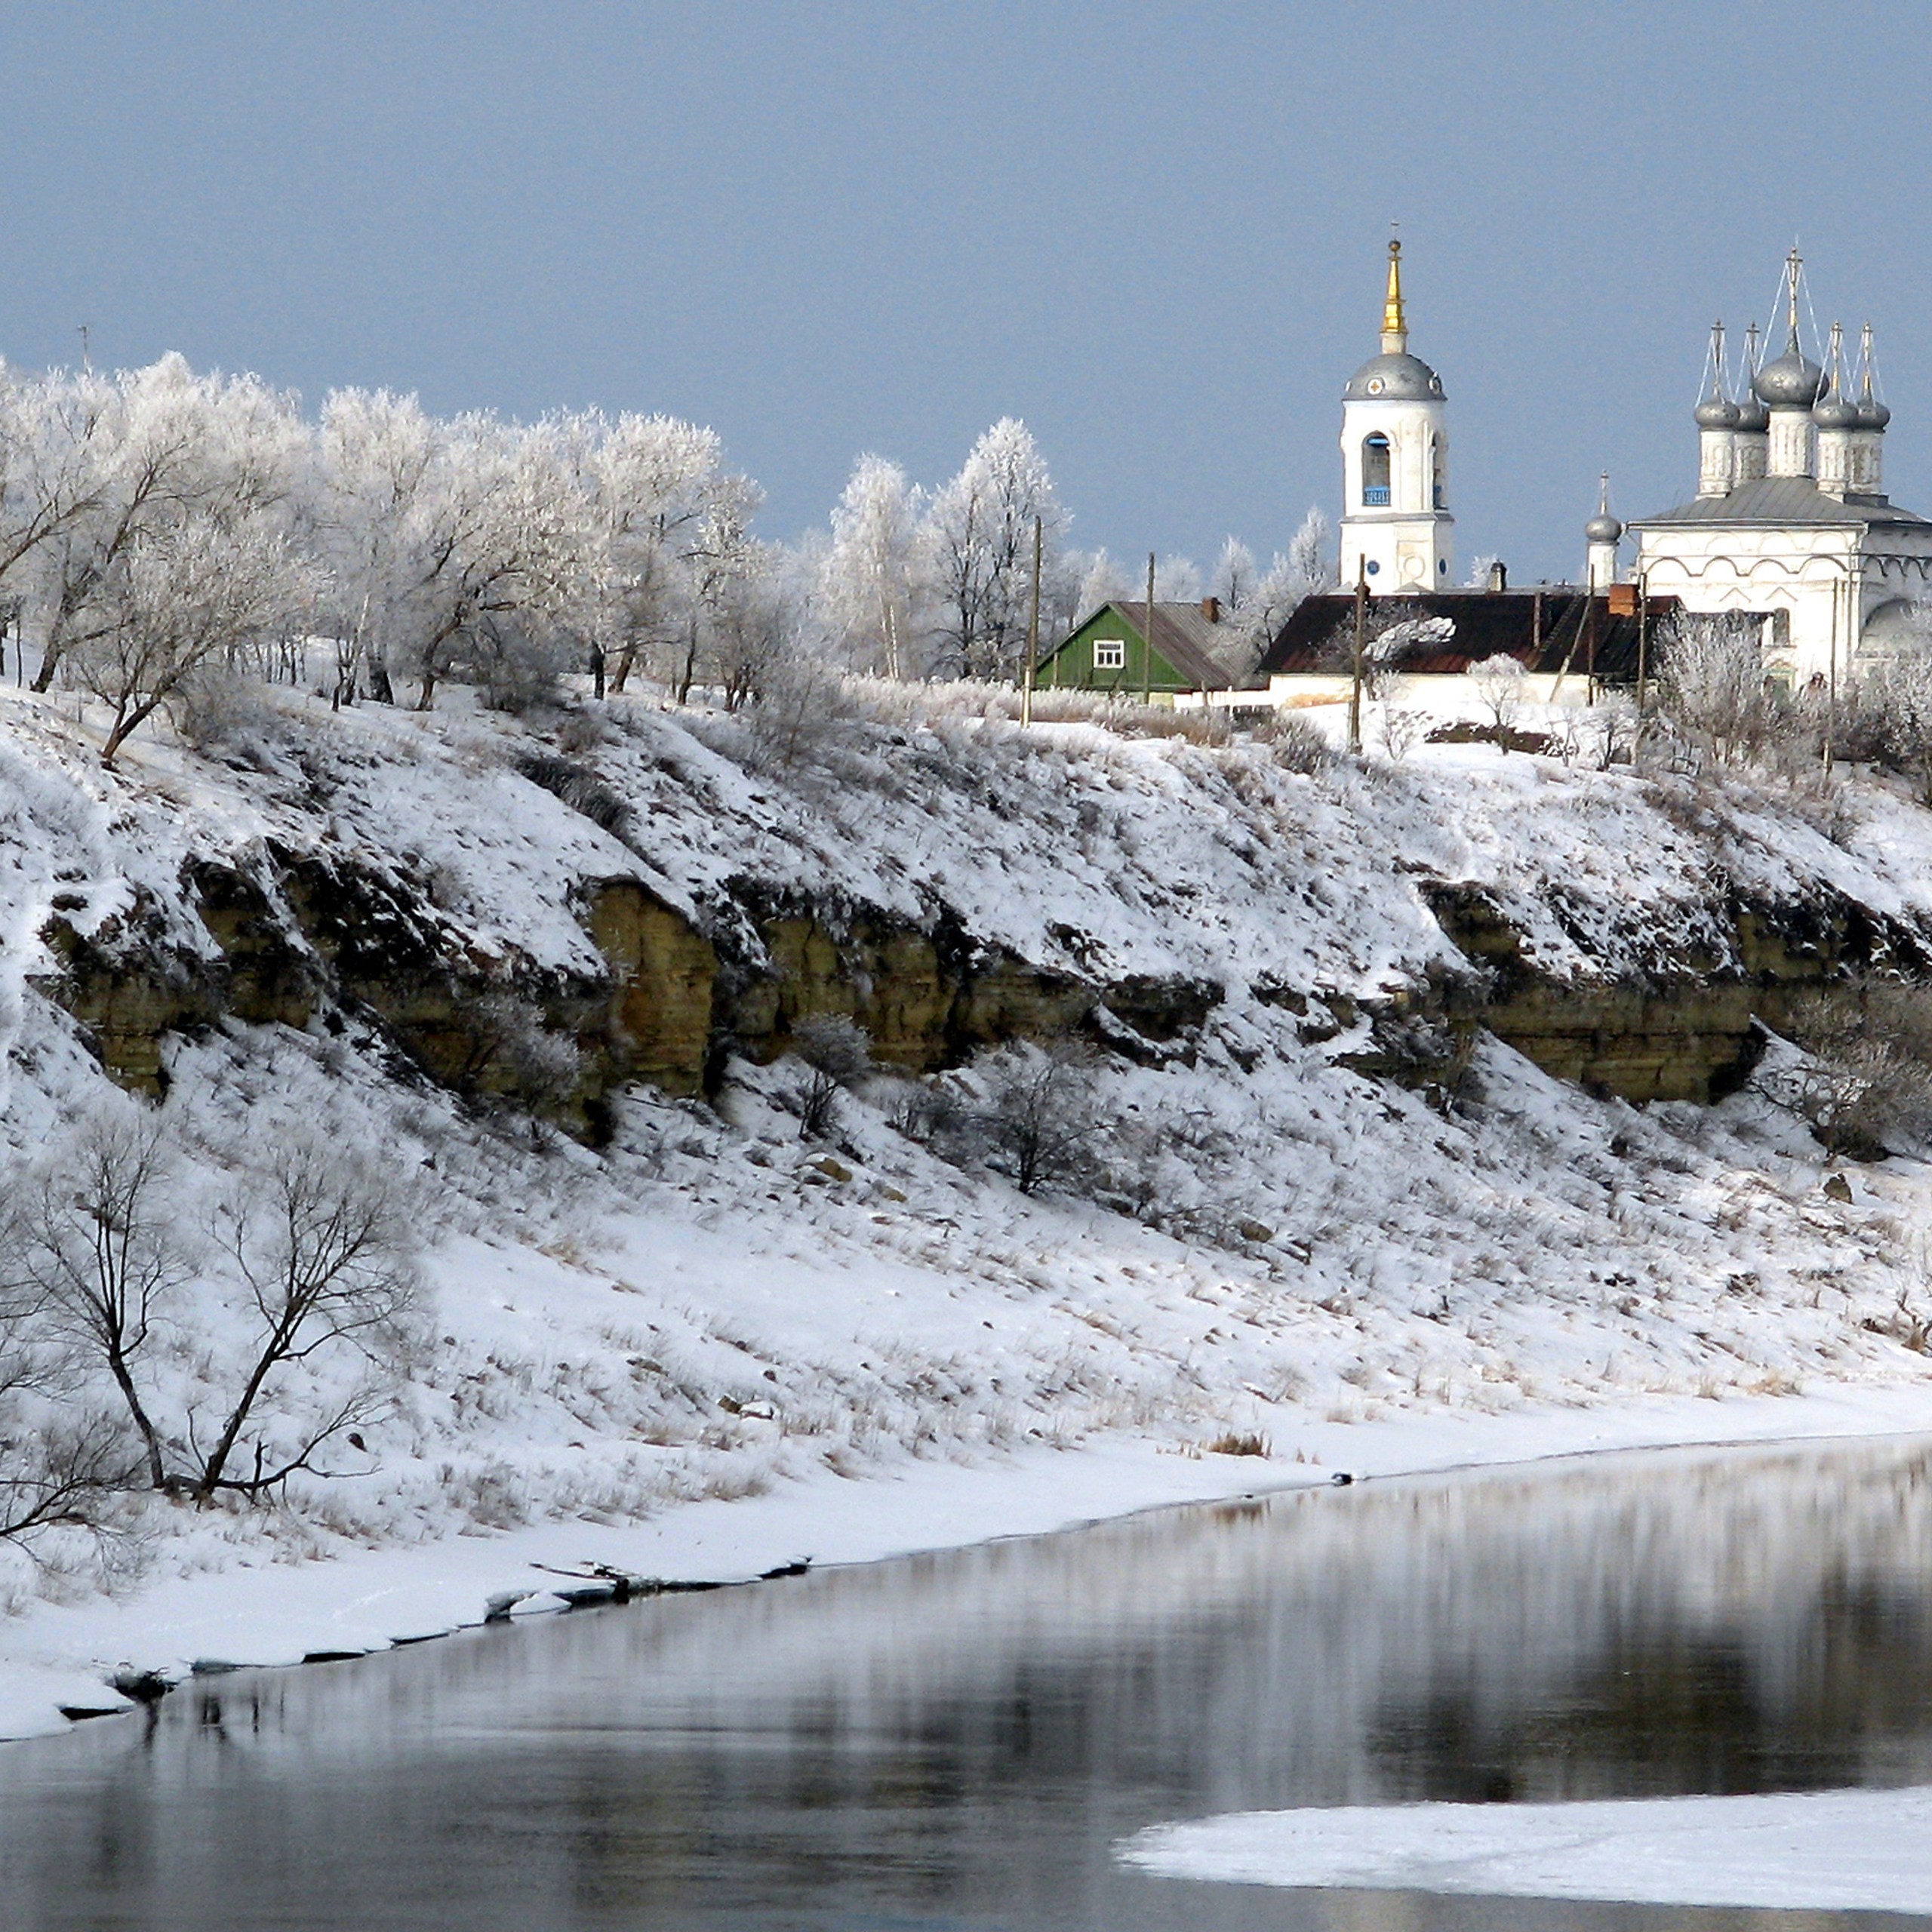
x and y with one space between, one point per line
270 1613
1827 1851
710 1347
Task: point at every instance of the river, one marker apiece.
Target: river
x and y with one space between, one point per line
959 1741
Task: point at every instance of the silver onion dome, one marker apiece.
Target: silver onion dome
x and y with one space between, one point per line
1837 412
1714 412
1752 415
1603 529
1873 415
1394 377
1794 381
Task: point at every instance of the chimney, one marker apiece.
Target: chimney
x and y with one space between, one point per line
1499 576
1210 609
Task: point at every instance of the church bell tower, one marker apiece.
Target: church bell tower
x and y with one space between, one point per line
1397 533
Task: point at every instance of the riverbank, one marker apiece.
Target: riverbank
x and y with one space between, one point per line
262 1613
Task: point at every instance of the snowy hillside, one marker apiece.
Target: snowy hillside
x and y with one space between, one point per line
1314 1187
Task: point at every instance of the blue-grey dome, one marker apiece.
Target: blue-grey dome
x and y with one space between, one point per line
1716 413
1836 412
1794 381
1752 415
1394 378
1873 415
1603 529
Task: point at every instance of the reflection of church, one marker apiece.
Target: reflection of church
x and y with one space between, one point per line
1791 516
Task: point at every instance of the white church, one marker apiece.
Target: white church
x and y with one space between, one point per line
1791 517
1790 531
1396 533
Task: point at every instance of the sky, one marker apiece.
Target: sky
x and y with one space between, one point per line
1155 232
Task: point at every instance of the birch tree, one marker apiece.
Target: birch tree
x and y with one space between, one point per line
871 576
980 530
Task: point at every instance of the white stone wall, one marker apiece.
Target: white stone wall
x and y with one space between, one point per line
1716 459
1792 435
1409 541
1824 581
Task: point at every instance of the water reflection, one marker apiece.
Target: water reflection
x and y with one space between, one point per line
957 1741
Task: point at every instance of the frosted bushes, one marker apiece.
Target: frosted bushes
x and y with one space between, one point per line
1296 744
1865 1077
836 1055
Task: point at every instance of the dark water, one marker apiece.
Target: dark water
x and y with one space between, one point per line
956 1742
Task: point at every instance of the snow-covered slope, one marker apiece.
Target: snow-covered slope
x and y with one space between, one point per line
703 1305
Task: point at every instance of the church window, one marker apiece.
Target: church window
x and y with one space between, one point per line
1375 469
1110 654
1374 568
1435 465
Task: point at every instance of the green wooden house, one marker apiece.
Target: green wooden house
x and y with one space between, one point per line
1110 651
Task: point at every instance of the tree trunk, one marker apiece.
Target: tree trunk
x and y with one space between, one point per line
124 1380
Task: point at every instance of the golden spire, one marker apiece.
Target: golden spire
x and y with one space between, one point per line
1394 325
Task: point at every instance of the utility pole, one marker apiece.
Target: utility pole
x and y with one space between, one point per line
1643 650
1831 677
1033 633
1147 642
87 368
1360 647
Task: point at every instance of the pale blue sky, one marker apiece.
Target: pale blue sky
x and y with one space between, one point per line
1156 232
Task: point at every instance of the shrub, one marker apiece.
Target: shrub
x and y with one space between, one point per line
1866 1079
1042 1115
1298 743
837 1055
1498 683
1712 687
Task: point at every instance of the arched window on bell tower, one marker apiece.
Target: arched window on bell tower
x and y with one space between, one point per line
1439 488
1375 471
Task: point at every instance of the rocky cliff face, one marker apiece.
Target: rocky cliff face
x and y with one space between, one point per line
328 938
322 937
950 894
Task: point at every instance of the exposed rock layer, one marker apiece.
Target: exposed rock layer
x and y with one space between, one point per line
313 934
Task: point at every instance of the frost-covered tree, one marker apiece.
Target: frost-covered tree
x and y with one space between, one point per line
182 601
1303 571
668 508
1235 576
52 473
980 530
1498 683
1711 686
376 453
1310 552
871 581
165 450
1176 581
1103 580
501 538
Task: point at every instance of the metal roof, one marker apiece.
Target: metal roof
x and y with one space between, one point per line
1779 500
1545 628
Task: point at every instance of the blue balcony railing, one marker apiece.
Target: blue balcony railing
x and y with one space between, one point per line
1375 495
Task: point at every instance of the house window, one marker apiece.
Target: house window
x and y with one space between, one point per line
1110 654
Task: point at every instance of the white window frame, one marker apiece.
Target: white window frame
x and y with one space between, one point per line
1110 653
